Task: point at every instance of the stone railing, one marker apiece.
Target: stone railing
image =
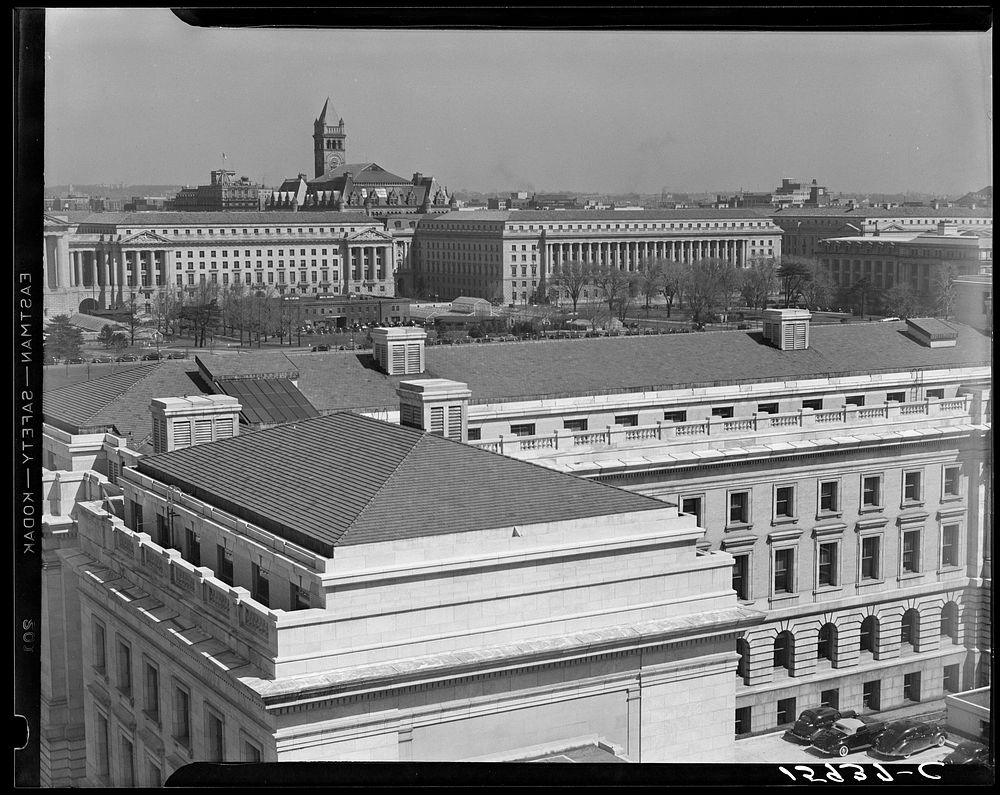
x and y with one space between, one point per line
846 416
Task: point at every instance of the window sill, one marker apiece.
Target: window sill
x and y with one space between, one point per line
910 575
951 569
826 589
871 509
781 520
783 597
911 504
952 498
824 515
736 527
867 583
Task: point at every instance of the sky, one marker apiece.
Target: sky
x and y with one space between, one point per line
139 97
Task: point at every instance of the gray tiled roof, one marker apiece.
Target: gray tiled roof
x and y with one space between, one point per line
165 219
345 479
528 216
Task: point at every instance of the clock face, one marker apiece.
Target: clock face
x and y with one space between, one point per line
333 162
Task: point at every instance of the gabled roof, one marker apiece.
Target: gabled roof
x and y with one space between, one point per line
362 175
344 479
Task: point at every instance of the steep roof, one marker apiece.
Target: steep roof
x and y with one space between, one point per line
362 174
120 401
345 479
329 114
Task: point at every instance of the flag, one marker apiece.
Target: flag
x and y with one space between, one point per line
223 155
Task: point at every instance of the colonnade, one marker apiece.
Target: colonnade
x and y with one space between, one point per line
629 255
369 264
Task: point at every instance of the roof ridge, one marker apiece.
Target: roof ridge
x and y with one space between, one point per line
395 472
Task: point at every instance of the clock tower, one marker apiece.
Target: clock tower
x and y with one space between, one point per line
329 140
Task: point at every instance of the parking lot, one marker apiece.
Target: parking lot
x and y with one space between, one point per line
775 749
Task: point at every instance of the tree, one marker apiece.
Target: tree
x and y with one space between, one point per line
817 292
201 312
130 309
119 342
106 335
758 282
673 277
649 279
64 340
899 301
793 274
944 290
859 291
571 279
164 309
709 285
618 287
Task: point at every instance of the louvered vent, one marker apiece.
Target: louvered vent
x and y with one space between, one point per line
182 434
437 420
787 329
454 422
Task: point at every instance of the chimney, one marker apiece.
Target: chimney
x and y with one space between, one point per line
399 351
435 405
186 421
787 329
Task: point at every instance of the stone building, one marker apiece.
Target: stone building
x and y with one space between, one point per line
225 193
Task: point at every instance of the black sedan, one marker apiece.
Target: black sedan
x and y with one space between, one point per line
813 722
849 734
151 357
129 357
903 738
968 753
102 360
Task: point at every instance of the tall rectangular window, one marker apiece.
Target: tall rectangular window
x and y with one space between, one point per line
739 507
743 717
192 547
871 491
871 695
784 502
692 505
214 734
182 716
911 487
786 711
251 752
102 743
784 561
127 763
828 496
949 545
151 691
741 576
827 571
870 558
911 552
952 482
261 586
224 569
124 668
100 648
952 675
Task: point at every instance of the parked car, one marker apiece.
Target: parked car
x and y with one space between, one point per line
128 357
153 356
968 753
176 355
102 360
320 348
906 737
75 360
813 722
849 734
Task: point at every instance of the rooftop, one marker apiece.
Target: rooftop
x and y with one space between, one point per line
516 216
226 218
882 212
344 479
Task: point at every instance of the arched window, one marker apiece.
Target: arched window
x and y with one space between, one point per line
826 644
909 628
869 634
743 666
949 621
784 646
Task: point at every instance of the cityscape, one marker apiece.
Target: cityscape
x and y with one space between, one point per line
512 396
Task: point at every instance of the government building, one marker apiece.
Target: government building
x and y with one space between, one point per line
661 545
506 256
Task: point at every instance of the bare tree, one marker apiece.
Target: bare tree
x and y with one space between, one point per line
900 301
944 291
618 287
595 312
758 282
794 272
201 311
674 274
165 307
649 279
709 285
571 279
817 291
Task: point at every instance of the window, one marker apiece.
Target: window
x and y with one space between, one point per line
162 531
154 775
251 752
739 507
299 598
627 420
830 698
215 735
952 678
949 545
911 487
952 486
784 570
743 718
725 412
871 491
524 429
103 741
261 588
475 434
909 627
224 569
125 668
895 397
182 716
136 516
826 571
784 502
151 691
870 695
786 711
767 408
127 763
675 416
911 552
870 554
935 393
911 686
741 576
100 648
692 505
829 497
575 425
192 547
855 400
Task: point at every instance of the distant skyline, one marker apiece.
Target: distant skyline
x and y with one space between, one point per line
137 96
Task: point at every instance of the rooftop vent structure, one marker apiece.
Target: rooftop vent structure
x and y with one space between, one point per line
436 405
186 421
399 351
787 329
931 332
